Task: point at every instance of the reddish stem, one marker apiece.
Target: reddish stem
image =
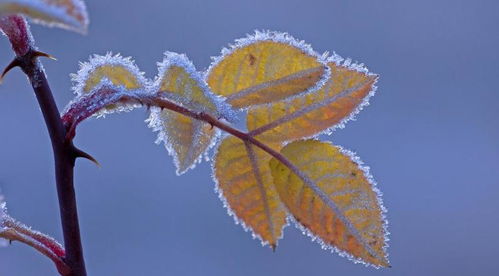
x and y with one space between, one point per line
87 106
42 243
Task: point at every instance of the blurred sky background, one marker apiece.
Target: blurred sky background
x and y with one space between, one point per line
430 136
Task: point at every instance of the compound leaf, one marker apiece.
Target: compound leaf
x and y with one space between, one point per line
185 138
343 95
334 198
68 14
245 186
264 68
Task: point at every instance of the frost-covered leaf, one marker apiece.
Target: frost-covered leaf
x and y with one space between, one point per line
266 67
185 138
334 199
114 72
118 70
68 14
245 186
343 95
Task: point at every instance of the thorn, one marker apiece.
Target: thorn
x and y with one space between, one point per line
42 54
79 153
13 64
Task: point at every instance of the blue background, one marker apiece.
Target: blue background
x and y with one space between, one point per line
430 136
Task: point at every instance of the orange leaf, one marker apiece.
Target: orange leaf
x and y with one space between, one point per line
245 186
343 95
264 68
333 197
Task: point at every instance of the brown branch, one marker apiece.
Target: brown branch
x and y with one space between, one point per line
86 107
64 155
17 30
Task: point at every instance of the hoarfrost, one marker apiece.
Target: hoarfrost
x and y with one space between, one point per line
280 37
339 61
87 68
157 119
231 213
224 110
372 182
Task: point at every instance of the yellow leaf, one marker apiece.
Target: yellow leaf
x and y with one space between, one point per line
333 197
185 138
116 72
264 68
343 95
68 14
119 71
245 186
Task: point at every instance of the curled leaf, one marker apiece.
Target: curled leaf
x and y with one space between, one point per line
185 138
67 14
245 186
264 68
343 95
118 70
334 198
114 72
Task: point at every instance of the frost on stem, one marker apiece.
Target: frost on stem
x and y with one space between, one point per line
17 30
12 230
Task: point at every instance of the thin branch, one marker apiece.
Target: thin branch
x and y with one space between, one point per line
86 106
44 244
